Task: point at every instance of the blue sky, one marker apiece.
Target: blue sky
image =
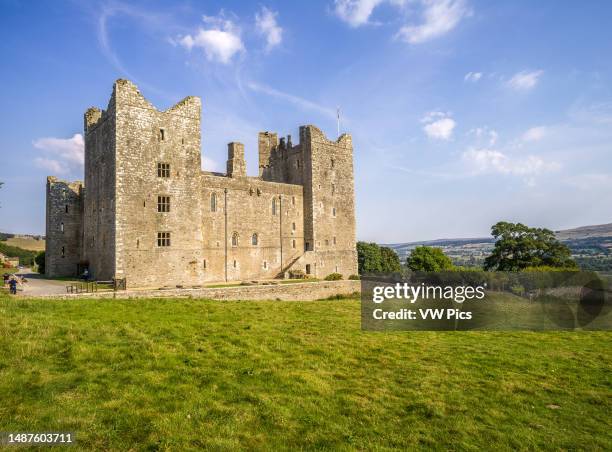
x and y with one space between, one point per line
462 112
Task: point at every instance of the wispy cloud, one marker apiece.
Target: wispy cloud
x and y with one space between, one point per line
355 12
439 17
472 76
525 80
484 134
266 25
64 154
535 133
438 125
295 100
494 161
219 38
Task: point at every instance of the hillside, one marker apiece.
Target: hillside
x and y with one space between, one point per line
26 243
591 246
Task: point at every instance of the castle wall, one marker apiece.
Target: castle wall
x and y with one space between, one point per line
244 207
99 213
63 227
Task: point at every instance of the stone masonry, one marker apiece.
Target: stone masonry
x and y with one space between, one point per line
147 212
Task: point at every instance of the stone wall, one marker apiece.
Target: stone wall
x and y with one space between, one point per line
306 291
63 227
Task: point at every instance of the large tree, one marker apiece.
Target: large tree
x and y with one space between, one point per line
373 258
518 247
428 259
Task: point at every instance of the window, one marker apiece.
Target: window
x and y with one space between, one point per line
297 163
333 188
235 239
163 239
162 134
332 163
326 242
265 265
293 243
163 170
63 252
293 226
307 246
334 240
163 203
137 243
308 269
254 239
293 200
213 202
235 264
62 227
204 264
334 211
273 206
66 208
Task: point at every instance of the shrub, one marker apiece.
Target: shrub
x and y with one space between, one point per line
354 277
297 274
333 277
40 262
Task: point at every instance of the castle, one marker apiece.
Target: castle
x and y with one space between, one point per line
147 212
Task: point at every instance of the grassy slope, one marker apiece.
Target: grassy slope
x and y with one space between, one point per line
184 374
27 244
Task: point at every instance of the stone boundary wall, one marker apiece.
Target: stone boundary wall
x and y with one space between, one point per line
306 291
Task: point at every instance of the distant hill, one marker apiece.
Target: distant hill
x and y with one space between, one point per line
23 241
591 247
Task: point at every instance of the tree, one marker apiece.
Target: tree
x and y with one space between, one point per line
40 262
373 258
518 247
428 259
390 260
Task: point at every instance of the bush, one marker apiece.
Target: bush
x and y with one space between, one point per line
354 277
333 277
297 274
40 262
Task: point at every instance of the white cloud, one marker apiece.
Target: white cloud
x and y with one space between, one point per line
355 12
438 125
265 22
484 133
300 102
525 80
209 164
535 134
220 39
66 153
53 166
472 76
439 17
493 161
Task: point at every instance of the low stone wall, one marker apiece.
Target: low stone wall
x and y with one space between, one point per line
287 292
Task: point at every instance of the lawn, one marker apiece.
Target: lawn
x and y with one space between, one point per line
188 374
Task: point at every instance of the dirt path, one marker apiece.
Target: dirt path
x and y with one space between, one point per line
38 285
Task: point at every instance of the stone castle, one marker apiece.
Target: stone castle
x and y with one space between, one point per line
149 214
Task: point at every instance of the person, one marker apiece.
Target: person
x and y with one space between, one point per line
85 274
13 286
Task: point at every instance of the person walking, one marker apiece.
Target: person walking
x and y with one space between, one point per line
13 286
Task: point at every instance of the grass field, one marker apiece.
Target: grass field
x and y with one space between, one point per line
26 243
189 374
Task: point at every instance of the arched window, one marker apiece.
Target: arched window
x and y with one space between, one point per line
254 239
213 202
235 239
273 206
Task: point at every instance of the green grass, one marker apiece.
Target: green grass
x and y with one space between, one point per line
190 374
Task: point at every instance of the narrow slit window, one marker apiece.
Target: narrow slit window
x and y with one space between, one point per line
163 203
293 243
163 239
235 239
66 208
63 251
62 227
213 202
162 135
334 211
254 239
293 226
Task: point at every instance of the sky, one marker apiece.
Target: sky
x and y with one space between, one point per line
462 112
